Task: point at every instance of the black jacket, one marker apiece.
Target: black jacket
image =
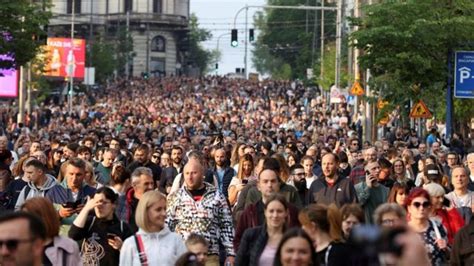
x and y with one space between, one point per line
94 243
462 252
340 193
251 247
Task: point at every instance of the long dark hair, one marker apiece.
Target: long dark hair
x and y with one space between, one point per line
292 233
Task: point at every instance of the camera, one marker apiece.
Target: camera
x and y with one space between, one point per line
371 240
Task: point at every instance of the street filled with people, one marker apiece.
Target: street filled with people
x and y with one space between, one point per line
222 171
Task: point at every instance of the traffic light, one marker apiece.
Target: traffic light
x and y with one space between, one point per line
233 40
251 35
217 66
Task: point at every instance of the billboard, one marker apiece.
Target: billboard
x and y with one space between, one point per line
65 57
8 80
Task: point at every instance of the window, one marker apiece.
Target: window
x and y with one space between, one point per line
158 44
157 6
127 5
77 6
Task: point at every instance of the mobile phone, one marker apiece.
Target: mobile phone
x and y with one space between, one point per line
111 236
70 205
446 202
245 181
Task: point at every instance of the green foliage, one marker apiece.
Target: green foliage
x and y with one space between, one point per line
285 42
23 21
198 55
329 67
103 60
124 48
406 45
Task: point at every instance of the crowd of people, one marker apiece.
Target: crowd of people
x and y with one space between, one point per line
219 171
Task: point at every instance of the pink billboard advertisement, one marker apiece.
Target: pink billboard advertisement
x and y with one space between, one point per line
8 80
65 57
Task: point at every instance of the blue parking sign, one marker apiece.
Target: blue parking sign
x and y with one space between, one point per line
464 74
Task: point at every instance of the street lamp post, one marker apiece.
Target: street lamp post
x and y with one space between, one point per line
322 8
71 63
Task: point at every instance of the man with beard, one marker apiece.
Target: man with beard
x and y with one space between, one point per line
169 173
297 179
268 183
141 158
103 170
371 193
22 237
223 172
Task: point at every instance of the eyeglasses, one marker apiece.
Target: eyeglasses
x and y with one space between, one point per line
155 156
425 204
12 244
388 222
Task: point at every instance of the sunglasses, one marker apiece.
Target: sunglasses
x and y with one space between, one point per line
12 244
425 204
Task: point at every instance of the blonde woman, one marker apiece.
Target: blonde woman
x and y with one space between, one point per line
154 243
244 175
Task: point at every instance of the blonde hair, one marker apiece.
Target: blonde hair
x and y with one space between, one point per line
141 214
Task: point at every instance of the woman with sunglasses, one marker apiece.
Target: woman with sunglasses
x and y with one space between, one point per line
432 232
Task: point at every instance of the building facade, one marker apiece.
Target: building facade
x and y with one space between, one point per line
158 29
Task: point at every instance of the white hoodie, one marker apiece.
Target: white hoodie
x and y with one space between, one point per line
161 248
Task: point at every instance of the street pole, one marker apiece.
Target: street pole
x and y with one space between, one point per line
338 43
246 41
28 90
147 47
127 67
449 98
321 74
246 7
217 47
71 66
21 100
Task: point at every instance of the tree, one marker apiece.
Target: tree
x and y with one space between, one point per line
22 30
408 55
198 55
103 60
285 42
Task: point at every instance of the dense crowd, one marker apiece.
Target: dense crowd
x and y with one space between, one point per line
220 171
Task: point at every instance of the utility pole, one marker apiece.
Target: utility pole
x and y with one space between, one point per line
71 63
127 67
338 43
246 41
21 100
322 41
276 7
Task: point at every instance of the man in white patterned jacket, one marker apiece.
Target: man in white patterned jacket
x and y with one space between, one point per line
198 207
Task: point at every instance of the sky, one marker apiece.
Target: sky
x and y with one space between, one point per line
218 17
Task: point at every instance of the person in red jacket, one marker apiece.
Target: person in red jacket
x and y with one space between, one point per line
448 215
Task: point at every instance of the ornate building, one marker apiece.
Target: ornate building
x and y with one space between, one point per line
158 29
